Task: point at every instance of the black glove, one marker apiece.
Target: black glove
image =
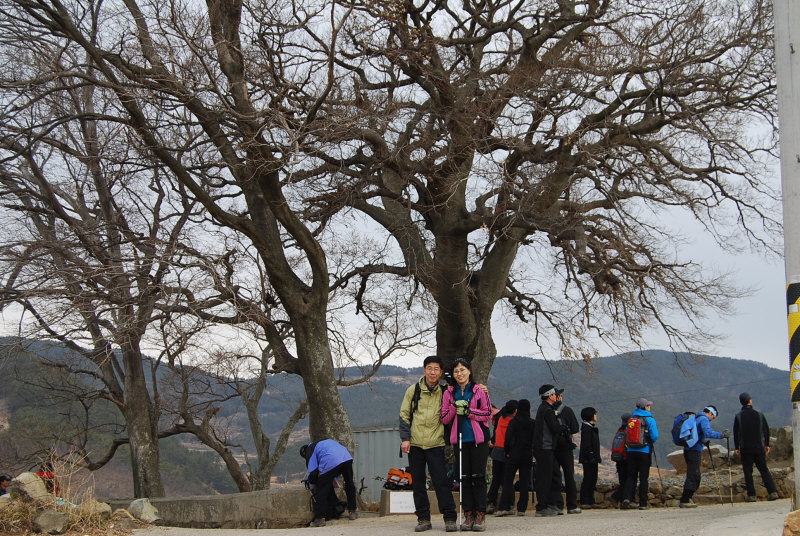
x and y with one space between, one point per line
313 476
726 433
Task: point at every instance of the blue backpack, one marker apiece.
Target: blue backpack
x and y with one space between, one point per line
684 430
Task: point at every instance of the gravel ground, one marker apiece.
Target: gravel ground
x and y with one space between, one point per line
743 519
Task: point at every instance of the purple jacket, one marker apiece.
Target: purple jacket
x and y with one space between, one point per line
480 412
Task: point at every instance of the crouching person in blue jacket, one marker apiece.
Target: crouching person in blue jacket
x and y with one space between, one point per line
326 460
694 454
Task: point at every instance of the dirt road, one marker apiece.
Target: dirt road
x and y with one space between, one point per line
743 519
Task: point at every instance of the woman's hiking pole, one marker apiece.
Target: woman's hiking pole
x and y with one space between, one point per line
716 476
730 462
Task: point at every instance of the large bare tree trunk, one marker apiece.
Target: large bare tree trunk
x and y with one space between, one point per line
141 423
327 416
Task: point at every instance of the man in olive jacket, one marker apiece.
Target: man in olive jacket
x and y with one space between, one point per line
422 436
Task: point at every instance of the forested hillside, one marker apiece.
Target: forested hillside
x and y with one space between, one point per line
610 384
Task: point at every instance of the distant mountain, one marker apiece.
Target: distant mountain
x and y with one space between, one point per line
610 384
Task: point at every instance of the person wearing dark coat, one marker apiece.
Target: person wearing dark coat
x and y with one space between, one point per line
589 455
565 458
751 441
519 457
500 422
546 429
622 466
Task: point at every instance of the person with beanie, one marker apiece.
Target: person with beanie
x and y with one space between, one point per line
546 429
622 474
751 443
5 480
469 409
498 453
589 455
565 458
638 459
519 457
694 454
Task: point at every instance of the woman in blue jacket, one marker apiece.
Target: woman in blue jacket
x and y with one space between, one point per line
637 458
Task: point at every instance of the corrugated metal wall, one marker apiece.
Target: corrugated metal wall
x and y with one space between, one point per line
376 452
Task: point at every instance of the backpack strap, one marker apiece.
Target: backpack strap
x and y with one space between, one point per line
414 403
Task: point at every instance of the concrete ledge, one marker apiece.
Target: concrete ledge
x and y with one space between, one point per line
283 507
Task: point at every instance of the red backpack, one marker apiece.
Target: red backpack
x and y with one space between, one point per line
618 444
636 433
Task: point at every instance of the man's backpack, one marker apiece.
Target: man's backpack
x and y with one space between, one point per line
636 433
684 429
618 444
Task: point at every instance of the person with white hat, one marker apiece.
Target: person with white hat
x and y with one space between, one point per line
694 454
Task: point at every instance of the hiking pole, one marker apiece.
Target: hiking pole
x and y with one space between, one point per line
730 462
658 469
716 476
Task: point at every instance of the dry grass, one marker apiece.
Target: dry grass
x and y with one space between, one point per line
75 498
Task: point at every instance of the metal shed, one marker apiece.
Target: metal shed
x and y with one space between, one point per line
377 450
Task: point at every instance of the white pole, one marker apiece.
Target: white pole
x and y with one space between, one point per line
787 66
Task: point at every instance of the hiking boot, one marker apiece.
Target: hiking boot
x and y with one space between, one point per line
317 522
520 512
574 511
547 512
626 505
503 513
353 516
490 508
750 498
450 526
689 504
423 525
773 496
469 520
480 522
645 507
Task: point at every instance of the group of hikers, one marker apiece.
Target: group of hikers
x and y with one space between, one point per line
459 413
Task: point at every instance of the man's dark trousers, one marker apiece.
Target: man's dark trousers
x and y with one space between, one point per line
638 467
760 460
324 484
418 458
548 479
566 461
693 459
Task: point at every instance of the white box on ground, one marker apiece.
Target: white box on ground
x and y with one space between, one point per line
401 502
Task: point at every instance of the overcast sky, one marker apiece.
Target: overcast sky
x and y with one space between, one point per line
758 330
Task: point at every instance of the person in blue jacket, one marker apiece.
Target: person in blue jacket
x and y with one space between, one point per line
694 454
637 460
326 460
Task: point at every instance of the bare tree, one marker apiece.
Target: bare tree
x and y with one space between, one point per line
202 87
87 246
230 294
537 153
